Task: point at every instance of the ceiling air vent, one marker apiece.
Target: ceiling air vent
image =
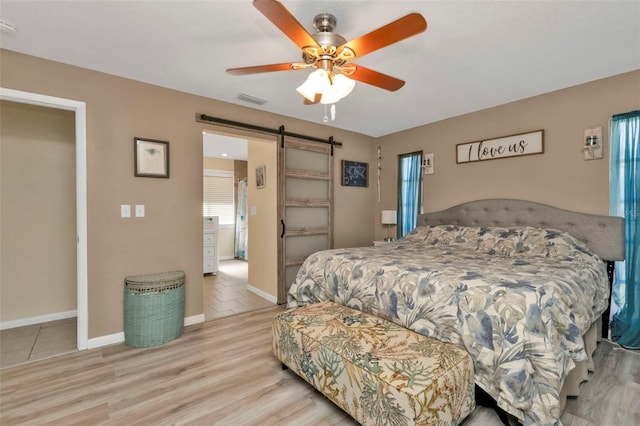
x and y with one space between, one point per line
7 28
251 99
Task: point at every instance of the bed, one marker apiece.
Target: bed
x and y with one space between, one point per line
521 285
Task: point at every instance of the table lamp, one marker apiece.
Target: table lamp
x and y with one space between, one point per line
389 217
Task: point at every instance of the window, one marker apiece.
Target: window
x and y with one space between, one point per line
218 195
409 191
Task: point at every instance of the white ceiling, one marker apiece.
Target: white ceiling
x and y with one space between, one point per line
474 54
226 147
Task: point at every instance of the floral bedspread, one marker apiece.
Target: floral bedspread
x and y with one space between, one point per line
518 299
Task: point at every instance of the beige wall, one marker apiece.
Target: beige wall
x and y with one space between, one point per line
217 164
240 170
226 242
262 227
353 223
170 236
38 219
559 177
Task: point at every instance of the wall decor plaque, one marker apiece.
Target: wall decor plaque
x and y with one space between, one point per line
503 147
355 173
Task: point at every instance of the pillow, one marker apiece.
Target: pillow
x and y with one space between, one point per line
442 235
501 241
523 241
547 242
530 242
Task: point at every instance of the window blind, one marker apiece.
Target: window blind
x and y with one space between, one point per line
218 199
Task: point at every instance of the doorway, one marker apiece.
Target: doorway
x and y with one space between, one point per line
79 163
297 175
229 161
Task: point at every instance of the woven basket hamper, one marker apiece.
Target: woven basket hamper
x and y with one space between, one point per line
153 308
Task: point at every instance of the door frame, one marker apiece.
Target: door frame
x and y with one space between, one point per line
80 110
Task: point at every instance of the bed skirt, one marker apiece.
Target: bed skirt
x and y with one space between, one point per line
581 371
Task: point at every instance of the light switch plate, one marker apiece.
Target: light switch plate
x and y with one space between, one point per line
139 210
125 210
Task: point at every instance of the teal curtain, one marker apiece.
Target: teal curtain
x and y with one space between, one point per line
624 199
409 192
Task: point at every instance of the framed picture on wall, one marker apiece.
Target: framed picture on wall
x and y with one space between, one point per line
502 147
355 173
261 176
151 158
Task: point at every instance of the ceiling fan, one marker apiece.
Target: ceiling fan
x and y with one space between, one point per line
330 54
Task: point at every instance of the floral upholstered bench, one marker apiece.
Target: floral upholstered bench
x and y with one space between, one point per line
377 371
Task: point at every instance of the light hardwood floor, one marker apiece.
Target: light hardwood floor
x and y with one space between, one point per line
223 372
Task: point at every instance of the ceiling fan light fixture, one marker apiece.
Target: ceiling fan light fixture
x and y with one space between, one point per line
332 87
317 82
342 86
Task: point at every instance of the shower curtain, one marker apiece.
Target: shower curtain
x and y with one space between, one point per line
241 222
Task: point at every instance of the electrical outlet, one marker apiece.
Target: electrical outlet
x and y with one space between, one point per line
125 210
139 210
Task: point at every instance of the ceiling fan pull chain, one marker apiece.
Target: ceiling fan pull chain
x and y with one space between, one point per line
333 112
325 119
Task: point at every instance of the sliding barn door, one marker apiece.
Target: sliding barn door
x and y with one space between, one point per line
305 210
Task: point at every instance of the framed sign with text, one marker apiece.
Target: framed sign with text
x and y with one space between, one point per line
503 147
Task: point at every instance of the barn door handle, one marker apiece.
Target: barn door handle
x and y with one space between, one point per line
283 228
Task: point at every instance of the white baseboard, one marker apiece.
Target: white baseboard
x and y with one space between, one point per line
37 320
196 319
262 294
226 257
113 339
110 339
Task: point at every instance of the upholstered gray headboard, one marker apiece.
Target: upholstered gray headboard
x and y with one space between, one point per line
603 234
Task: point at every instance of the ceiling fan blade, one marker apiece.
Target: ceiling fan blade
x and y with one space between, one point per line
285 21
394 32
288 66
374 78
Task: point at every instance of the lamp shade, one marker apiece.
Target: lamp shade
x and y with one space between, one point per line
389 217
332 87
317 82
340 88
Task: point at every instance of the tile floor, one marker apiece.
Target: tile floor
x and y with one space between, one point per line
35 342
226 292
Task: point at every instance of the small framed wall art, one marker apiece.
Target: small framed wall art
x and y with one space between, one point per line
151 158
355 173
261 177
